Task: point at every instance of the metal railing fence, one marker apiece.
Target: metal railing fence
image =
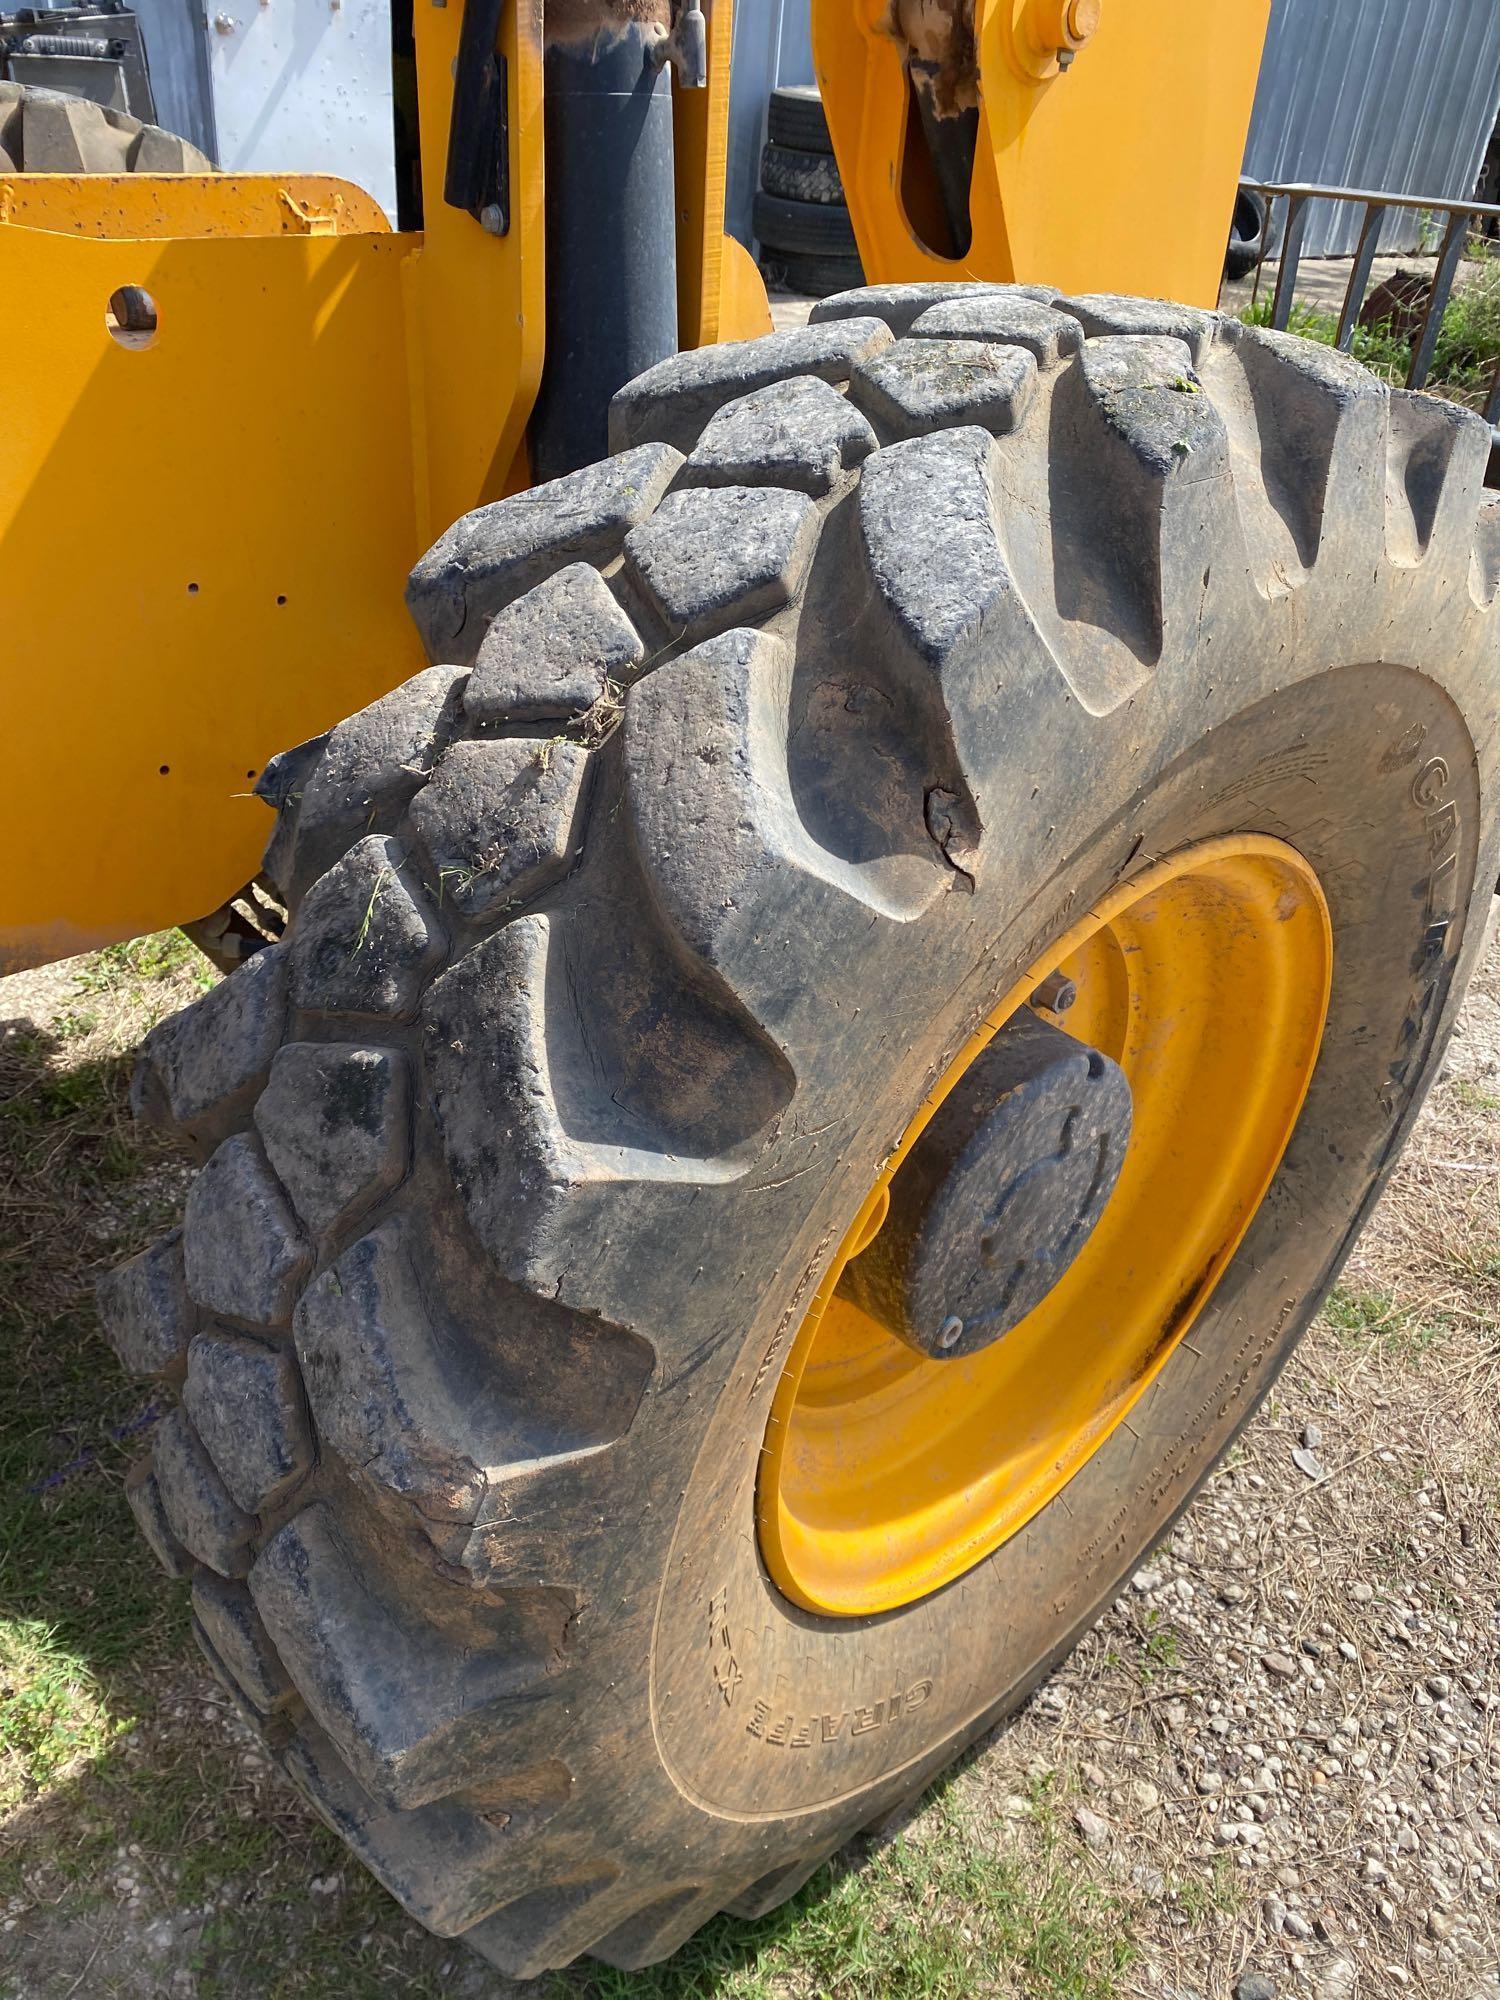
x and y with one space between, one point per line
1459 225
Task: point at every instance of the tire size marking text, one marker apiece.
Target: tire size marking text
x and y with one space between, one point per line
787 1731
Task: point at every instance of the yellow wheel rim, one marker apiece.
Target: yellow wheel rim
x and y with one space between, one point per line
887 1474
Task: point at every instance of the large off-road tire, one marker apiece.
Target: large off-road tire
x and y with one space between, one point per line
812 277
805 228
935 623
49 132
800 176
795 117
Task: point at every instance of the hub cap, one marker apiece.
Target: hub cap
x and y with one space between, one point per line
999 1193
1047 1229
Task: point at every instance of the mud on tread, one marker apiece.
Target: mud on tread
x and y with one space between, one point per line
495 1324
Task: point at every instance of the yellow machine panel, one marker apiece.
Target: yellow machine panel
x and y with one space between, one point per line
206 529
1110 135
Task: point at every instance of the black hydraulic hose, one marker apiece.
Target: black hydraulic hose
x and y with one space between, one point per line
610 228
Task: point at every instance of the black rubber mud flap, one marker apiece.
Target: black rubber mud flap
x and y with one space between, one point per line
624 942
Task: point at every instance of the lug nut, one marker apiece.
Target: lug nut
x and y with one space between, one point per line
1055 993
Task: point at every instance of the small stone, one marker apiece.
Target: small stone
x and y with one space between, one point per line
1146 1580
1312 1435
1144 1796
1337 1981
1439 1925
1362 1592
1274 1911
1209 1782
1308 1462
1093 1830
1295 1925
1255 1986
1150 1881
1280 1664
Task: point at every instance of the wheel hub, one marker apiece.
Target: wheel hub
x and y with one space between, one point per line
999 1194
1046 1229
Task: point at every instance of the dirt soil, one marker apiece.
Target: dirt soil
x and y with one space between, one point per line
1271 1771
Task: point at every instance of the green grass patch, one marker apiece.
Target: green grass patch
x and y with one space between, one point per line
52 1711
1463 357
146 961
939 1913
1360 1317
1473 1096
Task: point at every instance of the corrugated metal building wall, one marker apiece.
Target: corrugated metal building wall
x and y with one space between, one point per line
1397 95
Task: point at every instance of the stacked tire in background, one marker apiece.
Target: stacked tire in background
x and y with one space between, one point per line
801 219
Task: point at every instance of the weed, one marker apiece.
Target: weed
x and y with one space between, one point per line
146 960
368 919
1465 351
1213 1893
51 1709
1473 1095
1162 1651
941 1912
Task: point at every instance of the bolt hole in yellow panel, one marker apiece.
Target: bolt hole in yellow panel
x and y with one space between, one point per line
887 1474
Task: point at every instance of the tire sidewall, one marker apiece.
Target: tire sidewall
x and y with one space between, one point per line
822 1714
